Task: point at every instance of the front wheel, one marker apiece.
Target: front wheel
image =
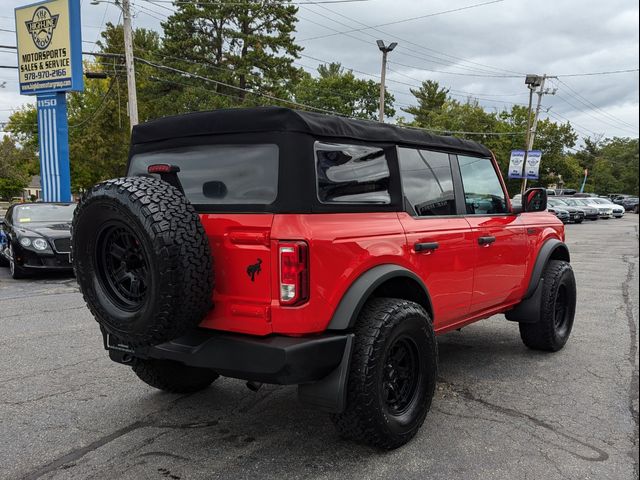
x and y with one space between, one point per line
557 309
392 376
16 271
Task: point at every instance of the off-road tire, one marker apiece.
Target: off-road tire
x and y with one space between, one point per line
550 333
172 249
382 323
173 377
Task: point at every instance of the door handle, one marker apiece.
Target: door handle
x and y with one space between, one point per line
485 241
426 246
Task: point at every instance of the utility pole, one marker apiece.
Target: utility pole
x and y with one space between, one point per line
129 61
385 50
533 82
125 6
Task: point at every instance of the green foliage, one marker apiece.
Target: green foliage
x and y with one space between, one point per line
248 46
431 100
613 165
15 166
340 91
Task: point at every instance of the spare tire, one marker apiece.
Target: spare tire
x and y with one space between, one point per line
142 260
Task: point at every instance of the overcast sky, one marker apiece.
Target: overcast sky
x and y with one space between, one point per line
482 51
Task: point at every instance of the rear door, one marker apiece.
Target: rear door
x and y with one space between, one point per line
439 242
500 239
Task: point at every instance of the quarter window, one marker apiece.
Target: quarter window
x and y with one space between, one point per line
352 174
427 182
483 194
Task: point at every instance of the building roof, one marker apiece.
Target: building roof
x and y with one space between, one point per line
279 119
34 183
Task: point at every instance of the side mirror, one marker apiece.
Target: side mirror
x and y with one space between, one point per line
534 200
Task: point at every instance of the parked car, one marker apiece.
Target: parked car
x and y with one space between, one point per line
339 249
616 210
576 215
604 211
562 214
37 237
628 203
590 213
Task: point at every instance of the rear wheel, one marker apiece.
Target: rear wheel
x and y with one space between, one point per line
393 374
174 377
557 309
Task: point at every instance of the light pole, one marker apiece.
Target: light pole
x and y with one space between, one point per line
385 50
128 58
532 82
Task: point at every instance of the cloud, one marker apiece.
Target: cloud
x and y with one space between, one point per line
553 37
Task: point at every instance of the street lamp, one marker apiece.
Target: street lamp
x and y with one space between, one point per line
385 50
124 5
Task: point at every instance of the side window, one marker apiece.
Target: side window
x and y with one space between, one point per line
483 192
352 174
426 182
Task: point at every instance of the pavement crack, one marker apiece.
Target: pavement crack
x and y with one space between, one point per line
67 459
631 356
600 454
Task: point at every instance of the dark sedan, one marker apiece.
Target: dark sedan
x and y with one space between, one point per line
590 213
37 237
576 215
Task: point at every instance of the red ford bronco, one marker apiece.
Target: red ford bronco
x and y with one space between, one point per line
288 247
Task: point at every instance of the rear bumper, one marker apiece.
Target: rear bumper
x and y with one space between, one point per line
274 359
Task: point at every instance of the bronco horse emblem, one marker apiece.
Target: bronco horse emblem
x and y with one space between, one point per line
255 269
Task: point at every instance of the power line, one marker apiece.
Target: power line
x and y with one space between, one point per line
589 74
396 22
412 54
220 3
589 103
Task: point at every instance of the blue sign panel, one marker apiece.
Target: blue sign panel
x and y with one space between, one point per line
54 147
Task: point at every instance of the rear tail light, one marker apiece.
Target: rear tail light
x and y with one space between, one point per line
294 273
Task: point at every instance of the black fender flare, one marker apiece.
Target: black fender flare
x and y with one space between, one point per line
361 289
528 310
551 248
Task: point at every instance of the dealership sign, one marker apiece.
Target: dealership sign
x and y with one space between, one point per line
518 168
49 47
50 64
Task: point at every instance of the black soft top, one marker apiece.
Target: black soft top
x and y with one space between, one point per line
279 119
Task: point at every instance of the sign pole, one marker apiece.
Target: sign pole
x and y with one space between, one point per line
54 147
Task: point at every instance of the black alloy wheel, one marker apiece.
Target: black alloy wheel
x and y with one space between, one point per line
401 375
122 266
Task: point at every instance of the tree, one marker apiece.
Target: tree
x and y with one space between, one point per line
241 46
338 90
15 164
612 163
431 98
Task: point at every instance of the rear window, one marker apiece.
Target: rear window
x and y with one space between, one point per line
352 174
220 174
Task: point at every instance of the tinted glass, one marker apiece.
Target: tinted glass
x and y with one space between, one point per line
426 181
483 192
351 174
220 174
35 212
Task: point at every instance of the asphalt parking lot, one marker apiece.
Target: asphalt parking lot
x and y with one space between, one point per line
501 411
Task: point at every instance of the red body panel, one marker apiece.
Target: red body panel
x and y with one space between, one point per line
466 281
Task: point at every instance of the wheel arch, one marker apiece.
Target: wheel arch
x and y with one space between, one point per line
551 249
388 280
528 310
